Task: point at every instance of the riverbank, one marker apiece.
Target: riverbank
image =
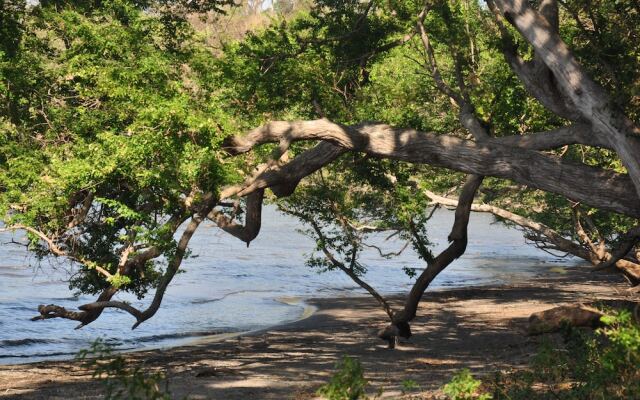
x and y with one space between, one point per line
480 328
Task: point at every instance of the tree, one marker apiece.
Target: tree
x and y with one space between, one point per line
105 163
109 136
550 73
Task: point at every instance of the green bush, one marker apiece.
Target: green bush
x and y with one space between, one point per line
582 366
409 385
463 386
348 383
120 380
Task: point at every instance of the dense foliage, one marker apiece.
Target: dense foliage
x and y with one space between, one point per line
110 122
113 116
348 382
294 70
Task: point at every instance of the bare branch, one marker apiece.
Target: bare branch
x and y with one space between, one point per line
331 258
82 212
389 254
594 186
57 251
562 243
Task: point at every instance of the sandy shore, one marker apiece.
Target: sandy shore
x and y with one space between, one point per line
478 328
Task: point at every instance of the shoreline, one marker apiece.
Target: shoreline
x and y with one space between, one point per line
480 328
199 338
196 338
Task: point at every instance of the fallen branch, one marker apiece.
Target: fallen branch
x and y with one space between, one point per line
554 319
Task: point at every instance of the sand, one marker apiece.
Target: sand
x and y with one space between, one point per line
480 328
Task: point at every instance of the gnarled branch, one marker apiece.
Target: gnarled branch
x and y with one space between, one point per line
590 100
458 238
594 186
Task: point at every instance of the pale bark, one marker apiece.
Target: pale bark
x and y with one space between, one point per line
536 77
554 237
577 133
591 102
554 319
589 185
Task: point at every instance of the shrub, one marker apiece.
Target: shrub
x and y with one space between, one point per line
582 366
348 383
463 386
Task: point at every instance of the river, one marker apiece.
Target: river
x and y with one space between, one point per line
228 287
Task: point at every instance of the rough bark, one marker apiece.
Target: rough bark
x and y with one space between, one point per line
628 242
589 185
253 219
84 316
283 179
602 258
590 101
577 133
536 77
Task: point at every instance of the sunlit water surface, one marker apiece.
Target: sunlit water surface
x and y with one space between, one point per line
228 287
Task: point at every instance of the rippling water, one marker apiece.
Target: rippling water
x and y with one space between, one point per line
228 287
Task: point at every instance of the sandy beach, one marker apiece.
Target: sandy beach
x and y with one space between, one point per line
480 328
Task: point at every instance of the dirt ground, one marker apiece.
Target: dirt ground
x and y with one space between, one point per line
479 328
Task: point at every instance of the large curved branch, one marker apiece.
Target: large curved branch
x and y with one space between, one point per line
283 179
593 186
591 101
253 219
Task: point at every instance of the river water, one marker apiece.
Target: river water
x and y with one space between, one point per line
230 288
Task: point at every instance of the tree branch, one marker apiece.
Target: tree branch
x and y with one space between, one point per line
594 186
334 261
591 101
253 219
458 239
